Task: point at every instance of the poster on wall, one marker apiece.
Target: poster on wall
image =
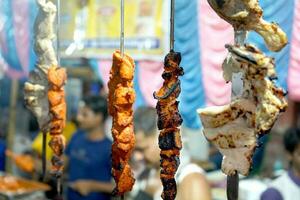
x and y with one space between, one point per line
91 28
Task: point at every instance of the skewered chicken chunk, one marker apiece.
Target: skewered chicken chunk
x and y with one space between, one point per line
121 97
259 74
234 128
230 128
35 96
44 92
36 88
247 15
56 95
169 120
44 30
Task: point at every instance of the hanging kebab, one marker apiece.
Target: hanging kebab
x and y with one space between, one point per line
121 97
44 93
256 100
169 118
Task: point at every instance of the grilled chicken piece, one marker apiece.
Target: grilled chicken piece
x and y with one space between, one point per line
44 30
36 100
259 74
247 15
233 128
169 120
121 97
57 78
36 88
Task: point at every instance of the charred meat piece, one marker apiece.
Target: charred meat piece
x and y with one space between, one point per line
169 120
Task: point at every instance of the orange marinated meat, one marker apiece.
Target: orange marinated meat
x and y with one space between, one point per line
121 97
57 78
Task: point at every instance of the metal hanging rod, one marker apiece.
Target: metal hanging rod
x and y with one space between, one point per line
122 29
172 39
57 32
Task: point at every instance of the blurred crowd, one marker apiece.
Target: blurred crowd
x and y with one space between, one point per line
87 160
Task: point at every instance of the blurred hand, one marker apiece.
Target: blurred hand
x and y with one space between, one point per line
84 187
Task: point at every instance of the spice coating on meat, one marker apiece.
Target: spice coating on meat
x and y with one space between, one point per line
169 120
57 78
121 97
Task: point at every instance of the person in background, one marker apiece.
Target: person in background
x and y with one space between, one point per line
2 155
191 182
88 161
287 186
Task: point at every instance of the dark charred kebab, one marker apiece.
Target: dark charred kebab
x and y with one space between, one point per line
169 120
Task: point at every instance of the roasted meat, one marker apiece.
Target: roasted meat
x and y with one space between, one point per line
121 97
57 78
234 128
169 120
247 15
36 88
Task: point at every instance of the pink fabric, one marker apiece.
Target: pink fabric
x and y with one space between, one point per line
150 79
294 68
3 65
22 39
104 69
3 41
214 34
15 74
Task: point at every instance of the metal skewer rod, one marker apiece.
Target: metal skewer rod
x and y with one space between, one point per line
233 186
172 18
233 180
58 186
57 31
44 155
122 29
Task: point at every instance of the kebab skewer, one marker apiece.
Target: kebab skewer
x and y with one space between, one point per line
234 128
169 118
121 97
44 93
36 88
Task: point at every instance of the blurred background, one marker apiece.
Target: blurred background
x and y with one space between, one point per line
87 35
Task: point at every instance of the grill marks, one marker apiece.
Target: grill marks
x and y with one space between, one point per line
169 120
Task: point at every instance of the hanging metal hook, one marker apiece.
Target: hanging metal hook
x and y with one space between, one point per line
122 29
172 18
